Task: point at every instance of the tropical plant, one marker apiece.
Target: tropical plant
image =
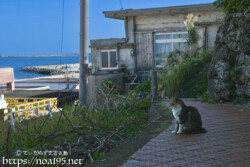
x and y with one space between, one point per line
192 34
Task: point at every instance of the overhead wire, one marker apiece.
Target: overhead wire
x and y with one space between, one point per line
121 4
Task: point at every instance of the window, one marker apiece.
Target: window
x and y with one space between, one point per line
166 43
108 59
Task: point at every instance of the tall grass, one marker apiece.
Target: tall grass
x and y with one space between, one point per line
191 72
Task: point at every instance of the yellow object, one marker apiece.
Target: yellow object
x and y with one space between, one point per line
29 106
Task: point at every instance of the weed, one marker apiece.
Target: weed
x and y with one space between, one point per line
206 98
143 88
44 133
98 155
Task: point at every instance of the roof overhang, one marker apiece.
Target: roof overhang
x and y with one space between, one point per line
121 14
110 43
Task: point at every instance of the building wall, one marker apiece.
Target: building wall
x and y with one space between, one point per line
211 31
124 57
201 36
7 77
95 97
140 31
95 54
163 22
175 23
148 25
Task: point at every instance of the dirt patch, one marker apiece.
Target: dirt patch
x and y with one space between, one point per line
159 119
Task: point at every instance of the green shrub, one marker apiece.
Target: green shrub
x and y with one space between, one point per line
189 79
98 155
143 88
232 5
206 98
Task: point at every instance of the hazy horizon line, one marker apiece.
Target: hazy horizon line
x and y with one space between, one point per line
39 55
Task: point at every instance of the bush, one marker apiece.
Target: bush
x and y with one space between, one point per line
232 5
143 89
206 98
189 79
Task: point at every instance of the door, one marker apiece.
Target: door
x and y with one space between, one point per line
144 51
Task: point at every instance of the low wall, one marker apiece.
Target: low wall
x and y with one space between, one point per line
95 81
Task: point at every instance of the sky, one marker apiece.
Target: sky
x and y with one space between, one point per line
35 26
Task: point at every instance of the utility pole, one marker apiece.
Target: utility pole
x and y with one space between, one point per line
84 39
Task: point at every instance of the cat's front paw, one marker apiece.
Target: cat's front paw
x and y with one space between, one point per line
174 131
179 132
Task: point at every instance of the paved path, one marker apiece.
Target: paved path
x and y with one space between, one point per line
226 144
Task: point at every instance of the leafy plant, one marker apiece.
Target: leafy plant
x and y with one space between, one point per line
188 79
206 98
232 5
98 155
143 88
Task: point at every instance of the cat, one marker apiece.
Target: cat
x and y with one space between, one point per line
188 118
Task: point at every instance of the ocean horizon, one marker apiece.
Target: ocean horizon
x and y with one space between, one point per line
19 62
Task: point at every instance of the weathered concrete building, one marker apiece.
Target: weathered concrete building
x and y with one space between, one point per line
151 36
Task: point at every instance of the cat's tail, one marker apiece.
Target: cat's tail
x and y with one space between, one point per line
194 131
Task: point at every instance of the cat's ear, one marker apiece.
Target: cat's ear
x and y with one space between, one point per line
175 95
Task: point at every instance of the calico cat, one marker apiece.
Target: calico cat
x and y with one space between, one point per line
188 119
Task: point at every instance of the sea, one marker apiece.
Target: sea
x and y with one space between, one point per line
20 62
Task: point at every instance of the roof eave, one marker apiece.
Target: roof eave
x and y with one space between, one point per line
121 14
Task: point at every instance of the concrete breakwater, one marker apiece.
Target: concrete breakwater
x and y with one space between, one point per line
53 69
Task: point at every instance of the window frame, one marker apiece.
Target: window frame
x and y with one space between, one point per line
172 41
108 68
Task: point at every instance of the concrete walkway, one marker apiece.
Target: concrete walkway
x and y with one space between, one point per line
226 144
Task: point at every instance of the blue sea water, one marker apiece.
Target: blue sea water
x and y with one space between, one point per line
20 62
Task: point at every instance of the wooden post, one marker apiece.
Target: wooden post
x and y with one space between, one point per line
13 118
154 86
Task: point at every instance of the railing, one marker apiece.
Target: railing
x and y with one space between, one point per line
28 107
17 101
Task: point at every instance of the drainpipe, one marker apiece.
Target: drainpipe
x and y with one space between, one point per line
126 31
205 40
135 54
126 39
118 55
